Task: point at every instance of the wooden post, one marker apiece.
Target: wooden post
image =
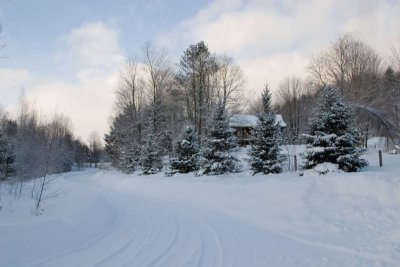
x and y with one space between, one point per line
295 163
380 158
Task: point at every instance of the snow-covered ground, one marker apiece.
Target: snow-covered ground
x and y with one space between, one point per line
105 218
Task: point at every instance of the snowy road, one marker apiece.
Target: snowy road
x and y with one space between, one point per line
111 219
146 231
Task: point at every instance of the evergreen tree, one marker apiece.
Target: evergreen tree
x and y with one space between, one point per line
7 157
129 158
218 152
331 137
123 143
186 150
151 157
265 156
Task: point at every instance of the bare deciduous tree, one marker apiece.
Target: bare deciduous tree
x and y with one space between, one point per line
197 76
231 84
95 148
289 96
129 91
349 64
396 56
295 101
157 82
130 98
53 152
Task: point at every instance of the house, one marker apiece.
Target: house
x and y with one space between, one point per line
243 124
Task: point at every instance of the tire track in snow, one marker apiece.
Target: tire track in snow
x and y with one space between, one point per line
121 235
86 245
111 243
186 242
149 231
158 238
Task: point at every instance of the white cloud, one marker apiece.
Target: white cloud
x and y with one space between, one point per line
273 39
11 79
94 44
12 82
97 54
272 69
88 102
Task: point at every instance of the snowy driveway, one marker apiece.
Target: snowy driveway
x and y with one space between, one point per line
110 219
149 232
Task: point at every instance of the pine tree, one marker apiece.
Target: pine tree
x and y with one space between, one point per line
129 158
265 156
331 137
151 157
187 151
218 154
123 143
7 157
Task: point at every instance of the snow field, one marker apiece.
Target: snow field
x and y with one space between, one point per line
105 218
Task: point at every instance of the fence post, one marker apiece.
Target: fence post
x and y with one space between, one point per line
380 158
295 163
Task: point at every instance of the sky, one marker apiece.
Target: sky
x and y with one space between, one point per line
65 55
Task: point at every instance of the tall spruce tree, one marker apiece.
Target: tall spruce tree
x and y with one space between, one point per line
265 154
331 137
187 152
218 153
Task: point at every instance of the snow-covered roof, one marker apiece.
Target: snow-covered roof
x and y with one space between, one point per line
244 120
279 119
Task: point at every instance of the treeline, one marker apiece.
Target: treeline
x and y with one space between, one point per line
368 82
33 146
156 101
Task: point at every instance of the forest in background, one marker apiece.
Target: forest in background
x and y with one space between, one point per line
156 100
